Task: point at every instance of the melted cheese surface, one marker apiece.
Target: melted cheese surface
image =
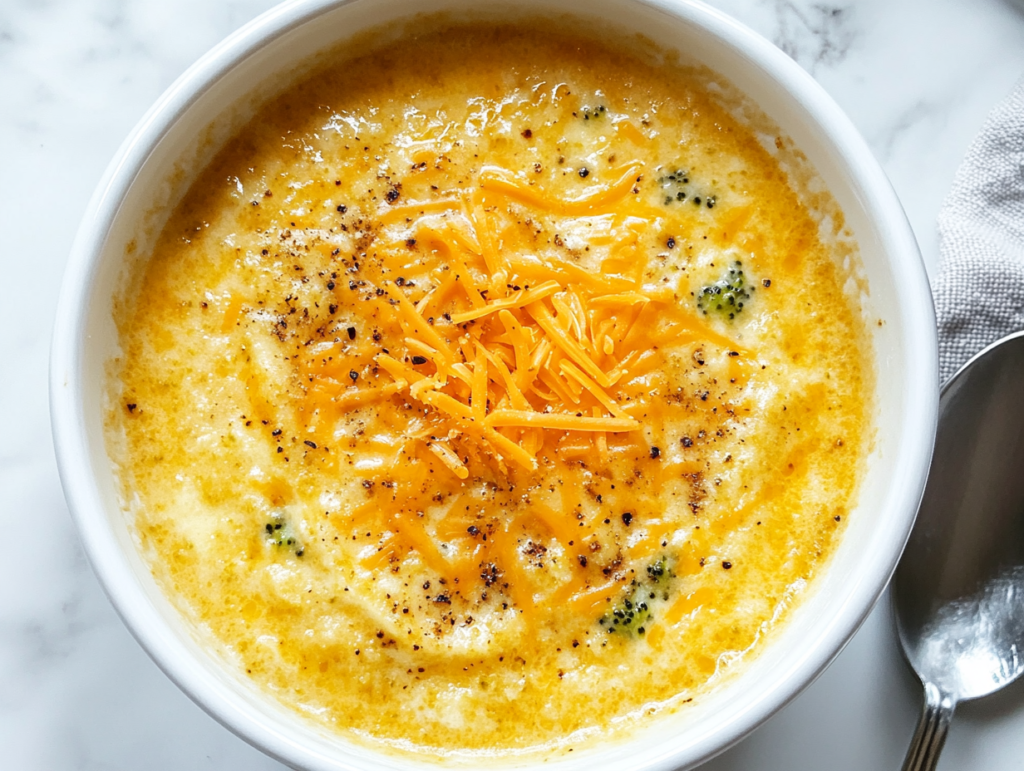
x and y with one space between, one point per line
491 391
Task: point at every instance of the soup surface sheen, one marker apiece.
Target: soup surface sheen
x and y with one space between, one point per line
492 391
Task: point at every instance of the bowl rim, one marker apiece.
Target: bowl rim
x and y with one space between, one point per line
68 420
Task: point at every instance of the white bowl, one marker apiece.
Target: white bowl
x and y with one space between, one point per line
209 102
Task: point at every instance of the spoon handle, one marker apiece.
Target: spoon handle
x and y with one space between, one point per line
930 735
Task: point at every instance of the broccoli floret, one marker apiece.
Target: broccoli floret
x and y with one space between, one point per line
280 533
659 571
727 296
676 187
632 616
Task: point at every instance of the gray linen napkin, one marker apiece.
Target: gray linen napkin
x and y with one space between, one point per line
979 292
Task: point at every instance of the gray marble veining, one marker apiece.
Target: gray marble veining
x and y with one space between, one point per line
815 35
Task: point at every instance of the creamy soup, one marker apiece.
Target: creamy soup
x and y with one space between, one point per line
493 391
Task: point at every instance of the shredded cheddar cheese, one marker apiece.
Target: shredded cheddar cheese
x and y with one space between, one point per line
537 321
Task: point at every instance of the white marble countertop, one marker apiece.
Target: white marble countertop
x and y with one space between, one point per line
76 691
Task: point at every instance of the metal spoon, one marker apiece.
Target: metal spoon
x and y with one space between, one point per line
959 588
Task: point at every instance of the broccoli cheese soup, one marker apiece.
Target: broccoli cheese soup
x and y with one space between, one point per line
493 391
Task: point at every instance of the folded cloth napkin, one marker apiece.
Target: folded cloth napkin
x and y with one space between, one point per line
979 292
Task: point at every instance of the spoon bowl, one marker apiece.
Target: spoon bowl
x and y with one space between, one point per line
959 588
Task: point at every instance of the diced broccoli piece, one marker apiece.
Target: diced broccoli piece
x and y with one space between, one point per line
659 571
727 296
281 534
632 615
676 187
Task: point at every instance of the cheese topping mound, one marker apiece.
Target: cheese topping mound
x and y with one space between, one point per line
493 394
505 352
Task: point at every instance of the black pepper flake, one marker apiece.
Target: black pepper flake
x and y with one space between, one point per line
583 560
528 134
766 283
353 374
473 530
342 208
627 518
671 243
351 332
311 445
655 453
584 172
443 599
419 360
726 564
276 432
686 441
131 406
392 195
330 285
